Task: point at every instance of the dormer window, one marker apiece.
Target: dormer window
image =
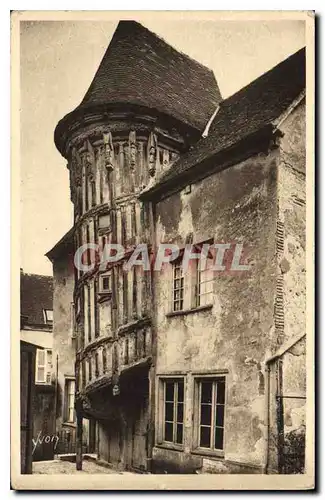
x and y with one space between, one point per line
48 316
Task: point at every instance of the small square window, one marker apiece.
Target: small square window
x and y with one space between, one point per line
105 285
104 221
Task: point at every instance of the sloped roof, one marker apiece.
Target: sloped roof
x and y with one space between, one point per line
139 68
62 246
36 294
249 110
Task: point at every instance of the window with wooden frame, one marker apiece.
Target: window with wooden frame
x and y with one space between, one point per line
178 287
209 416
203 282
43 366
69 413
171 425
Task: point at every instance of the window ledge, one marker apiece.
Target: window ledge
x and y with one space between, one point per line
189 311
208 453
170 446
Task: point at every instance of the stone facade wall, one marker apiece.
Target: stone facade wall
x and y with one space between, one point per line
63 342
291 300
237 205
292 213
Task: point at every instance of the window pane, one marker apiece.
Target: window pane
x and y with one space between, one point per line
168 432
218 444
169 394
206 392
41 357
48 377
40 374
169 412
180 396
106 283
179 434
205 433
177 272
71 415
221 391
180 412
205 300
202 288
220 415
206 414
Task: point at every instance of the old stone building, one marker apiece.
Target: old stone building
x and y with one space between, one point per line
188 370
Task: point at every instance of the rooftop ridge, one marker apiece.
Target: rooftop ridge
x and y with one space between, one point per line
262 76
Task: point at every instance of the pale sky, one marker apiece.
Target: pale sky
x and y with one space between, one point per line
58 62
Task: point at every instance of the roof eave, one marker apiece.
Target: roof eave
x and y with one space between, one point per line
248 146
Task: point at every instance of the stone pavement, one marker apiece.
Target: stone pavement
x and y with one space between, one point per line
65 467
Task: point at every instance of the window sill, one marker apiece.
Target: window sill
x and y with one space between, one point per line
189 311
208 453
170 446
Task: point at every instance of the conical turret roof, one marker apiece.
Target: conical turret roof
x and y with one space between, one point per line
139 68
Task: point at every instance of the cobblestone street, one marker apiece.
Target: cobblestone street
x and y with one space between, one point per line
65 467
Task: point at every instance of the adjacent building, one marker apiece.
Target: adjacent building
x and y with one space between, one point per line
36 318
198 370
64 349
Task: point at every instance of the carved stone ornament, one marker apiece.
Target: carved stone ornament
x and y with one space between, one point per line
108 151
90 160
165 159
152 154
76 167
132 149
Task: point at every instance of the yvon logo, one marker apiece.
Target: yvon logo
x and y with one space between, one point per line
46 439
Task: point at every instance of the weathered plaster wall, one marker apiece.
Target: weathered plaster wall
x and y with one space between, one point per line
38 337
237 205
63 344
292 212
292 270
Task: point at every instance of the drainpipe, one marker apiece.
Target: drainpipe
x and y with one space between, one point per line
267 416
